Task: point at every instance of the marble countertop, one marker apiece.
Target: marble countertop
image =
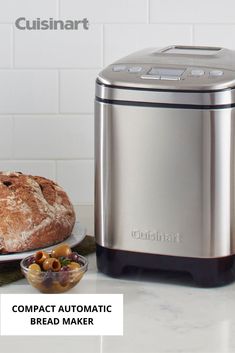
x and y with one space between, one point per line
163 312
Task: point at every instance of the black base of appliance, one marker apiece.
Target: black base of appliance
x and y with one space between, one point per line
205 272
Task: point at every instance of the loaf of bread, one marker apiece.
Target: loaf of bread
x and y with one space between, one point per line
34 213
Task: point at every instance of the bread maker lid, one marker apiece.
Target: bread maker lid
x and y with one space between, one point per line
182 75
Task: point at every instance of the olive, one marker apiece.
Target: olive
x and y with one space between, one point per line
60 288
52 264
30 260
47 280
61 250
34 274
74 257
64 277
74 266
41 256
34 267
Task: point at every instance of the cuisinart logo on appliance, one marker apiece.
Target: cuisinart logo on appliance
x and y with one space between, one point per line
23 23
162 237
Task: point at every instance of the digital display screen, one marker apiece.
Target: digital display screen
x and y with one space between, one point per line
191 51
166 71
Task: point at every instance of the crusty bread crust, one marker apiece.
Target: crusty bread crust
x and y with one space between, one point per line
34 212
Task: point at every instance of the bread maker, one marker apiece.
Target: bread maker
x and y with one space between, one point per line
164 163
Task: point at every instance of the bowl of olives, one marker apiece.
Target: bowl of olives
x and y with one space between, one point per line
56 271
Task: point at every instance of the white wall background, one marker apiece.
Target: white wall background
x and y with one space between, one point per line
47 77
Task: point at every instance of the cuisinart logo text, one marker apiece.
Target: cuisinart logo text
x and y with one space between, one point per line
156 236
23 23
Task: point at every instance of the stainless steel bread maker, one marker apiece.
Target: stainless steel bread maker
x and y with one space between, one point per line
164 163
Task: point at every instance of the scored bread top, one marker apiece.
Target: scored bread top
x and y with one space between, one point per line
34 212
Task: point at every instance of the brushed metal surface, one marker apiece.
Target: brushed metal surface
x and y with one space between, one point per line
165 180
223 59
167 97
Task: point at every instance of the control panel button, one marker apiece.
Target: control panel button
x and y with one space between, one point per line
154 71
135 69
216 73
170 78
166 71
119 68
150 77
197 72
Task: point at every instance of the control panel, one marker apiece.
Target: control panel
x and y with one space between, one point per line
170 74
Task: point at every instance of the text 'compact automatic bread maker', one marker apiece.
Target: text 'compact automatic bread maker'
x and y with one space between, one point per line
164 163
